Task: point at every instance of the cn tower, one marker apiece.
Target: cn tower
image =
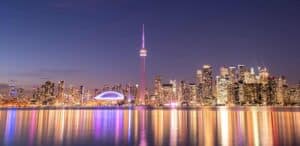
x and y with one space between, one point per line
143 55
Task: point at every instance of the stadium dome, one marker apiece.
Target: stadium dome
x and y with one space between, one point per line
110 95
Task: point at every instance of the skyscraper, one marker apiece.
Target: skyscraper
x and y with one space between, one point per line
280 90
60 89
207 81
199 84
81 92
222 86
158 87
143 55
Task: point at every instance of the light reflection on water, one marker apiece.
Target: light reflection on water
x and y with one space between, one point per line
207 126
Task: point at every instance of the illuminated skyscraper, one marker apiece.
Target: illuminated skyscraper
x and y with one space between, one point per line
263 79
199 84
192 88
157 87
143 55
222 86
280 90
81 92
207 81
241 79
167 93
60 89
233 88
222 89
174 90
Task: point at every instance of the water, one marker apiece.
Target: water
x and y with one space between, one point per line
161 127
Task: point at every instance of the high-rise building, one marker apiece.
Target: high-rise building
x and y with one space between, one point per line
167 93
157 87
192 90
207 82
252 87
280 90
143 55
241 79
263 80
292 95
271 90
199 85
222 86
183 95
60 89
174 90
81 93
233 86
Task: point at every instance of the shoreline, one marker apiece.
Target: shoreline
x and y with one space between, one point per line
236 108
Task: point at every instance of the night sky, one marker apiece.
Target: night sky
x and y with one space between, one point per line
93 42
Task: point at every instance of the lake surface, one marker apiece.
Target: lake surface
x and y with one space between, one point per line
159 127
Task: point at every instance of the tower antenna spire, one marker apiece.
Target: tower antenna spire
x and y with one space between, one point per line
143 37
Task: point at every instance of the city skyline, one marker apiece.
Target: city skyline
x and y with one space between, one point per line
82 45
137 72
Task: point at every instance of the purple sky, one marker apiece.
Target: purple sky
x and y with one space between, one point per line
94 42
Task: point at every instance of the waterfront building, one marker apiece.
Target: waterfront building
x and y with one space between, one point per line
222 86
185 93
241 79
263 79
271 90
292 96
60 89
180 91
199 84
207 82
204 81
81 93
174 90
192 91
281 90
167 94
158 87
